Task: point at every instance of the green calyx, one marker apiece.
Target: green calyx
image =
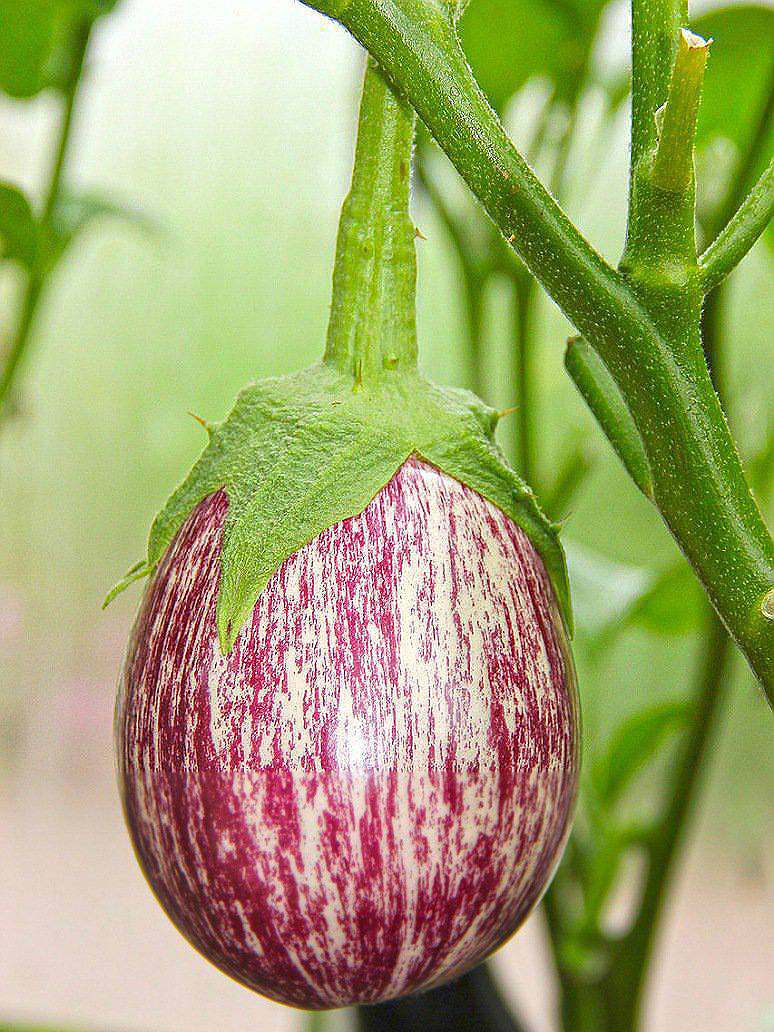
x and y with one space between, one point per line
300 453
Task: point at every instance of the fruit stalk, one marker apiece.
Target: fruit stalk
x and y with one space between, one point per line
372 328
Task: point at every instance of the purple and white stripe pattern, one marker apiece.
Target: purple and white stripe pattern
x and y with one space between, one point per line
370 792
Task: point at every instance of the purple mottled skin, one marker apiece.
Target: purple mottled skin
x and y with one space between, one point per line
371 791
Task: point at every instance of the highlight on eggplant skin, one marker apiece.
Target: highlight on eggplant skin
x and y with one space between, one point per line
370 792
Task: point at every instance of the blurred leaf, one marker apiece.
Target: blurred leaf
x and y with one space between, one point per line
574 468
739 73
669 604
760 466
509 42
37 42
602 589
18 227
75 212
632 746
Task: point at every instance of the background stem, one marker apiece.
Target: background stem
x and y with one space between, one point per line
523 303
473 277
469 1004
37 277
631 962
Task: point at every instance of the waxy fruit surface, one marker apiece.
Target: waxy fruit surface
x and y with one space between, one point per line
370 792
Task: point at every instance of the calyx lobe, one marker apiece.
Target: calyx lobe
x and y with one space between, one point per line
300 453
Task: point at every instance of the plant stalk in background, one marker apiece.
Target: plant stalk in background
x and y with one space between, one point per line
43 261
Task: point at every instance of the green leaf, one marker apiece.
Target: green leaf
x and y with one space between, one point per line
18 227
30 36
300 453
633 745
509 42
307 491
37 42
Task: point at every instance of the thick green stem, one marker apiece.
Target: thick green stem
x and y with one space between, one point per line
618 993
655 24
417 47
699 485
660 255
372 329
634 952
37 276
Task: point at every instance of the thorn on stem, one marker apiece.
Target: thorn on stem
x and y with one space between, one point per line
200 421
418 234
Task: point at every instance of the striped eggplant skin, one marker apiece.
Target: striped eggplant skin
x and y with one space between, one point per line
371 791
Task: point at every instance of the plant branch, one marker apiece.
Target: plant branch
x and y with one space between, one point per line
633 953
673 165
38 275
374 275
418 48
599 391
734 241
